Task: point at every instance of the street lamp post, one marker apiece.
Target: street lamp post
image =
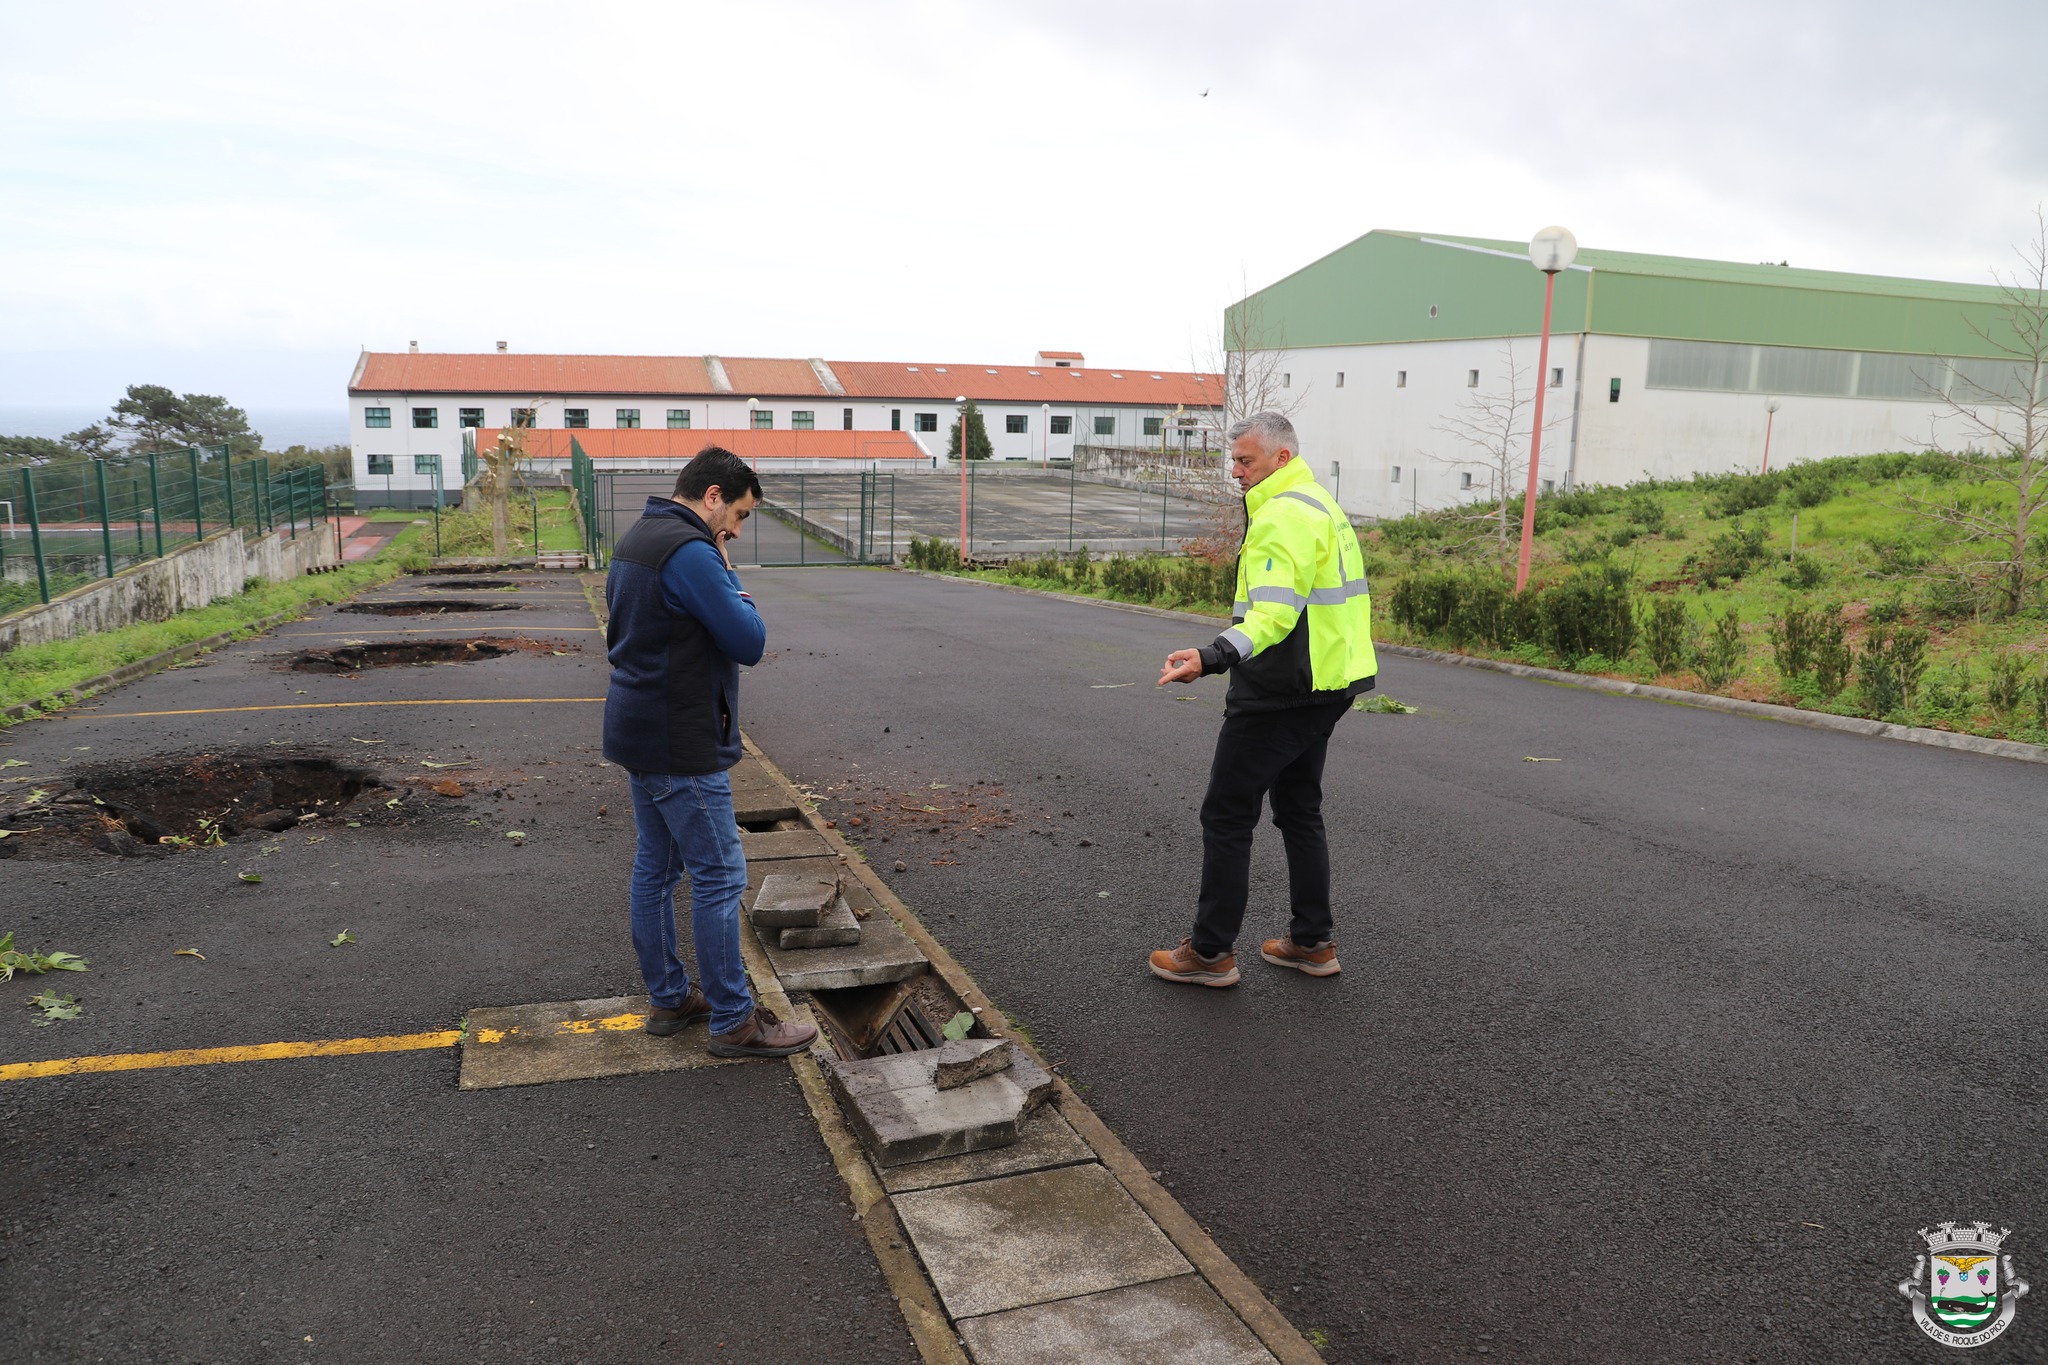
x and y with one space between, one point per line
1550 250
1770 414
962 401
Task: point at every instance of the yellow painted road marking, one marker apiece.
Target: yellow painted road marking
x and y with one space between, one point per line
423 630
270 1052
328 705
211 1056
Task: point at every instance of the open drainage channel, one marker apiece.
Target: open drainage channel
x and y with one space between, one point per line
472 585
161 802
415 607
357 657
890 1019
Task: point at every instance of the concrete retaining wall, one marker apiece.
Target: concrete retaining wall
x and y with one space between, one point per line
190 577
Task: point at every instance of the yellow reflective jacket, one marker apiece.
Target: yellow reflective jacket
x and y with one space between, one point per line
1302 622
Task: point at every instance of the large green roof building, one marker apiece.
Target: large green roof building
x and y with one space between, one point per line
1393 347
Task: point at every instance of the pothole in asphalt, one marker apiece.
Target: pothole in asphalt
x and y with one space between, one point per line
357 656
468 569
168 801
472 585
445 607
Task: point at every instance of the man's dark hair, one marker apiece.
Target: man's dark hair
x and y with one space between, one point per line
715 466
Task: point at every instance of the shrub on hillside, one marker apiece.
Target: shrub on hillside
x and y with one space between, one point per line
1719 656
1669 632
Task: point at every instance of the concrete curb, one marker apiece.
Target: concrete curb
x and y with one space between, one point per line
1231 1284
1734 706
141 668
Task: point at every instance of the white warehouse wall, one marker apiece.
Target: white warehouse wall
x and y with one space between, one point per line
1369 426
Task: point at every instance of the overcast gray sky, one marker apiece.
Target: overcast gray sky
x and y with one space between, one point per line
236 197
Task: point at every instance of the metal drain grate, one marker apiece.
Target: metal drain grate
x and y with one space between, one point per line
909 1031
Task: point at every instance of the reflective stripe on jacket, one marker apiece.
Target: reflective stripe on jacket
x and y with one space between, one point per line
1302 622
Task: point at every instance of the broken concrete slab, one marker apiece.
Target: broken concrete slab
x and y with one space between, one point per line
958 1061
901 1117
1047 1140
884 953
776 844
1023 1239
762 805
572 1040
790 902
851 888
836 928
1181 1320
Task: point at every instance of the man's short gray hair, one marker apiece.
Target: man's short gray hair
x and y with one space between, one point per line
1274 431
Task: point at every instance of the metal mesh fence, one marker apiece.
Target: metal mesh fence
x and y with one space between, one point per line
70 524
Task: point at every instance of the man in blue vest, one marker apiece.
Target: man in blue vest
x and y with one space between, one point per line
679 629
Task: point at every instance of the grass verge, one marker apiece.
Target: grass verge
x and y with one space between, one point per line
34 672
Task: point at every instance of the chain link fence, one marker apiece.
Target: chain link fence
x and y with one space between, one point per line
72 523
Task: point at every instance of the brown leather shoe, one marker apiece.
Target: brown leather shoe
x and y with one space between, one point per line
1183 964
695 1009
1320 960
762 1035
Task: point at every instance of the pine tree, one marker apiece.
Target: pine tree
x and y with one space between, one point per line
979 447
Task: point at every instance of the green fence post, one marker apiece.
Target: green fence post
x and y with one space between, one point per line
156 504
135 504
1071 464
35 533
802 540
1162 508
99 470
227 465
892 518
198 504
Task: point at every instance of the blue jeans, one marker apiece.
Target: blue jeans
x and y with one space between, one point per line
687 823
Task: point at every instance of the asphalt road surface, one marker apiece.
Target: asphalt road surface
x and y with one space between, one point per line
355 1209
1661 1050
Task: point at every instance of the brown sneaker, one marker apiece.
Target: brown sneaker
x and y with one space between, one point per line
1320 960
1182 963
762 1035
695 1009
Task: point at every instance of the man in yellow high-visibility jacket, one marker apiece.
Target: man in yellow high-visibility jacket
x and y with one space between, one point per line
1298 650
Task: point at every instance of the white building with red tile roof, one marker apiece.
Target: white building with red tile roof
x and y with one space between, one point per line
408 411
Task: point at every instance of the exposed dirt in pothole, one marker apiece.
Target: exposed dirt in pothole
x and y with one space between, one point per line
469 569
358 657
161 802
472 585
444 607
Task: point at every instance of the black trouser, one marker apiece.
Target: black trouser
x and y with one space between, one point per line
1266 751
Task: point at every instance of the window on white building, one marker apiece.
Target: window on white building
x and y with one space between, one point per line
1016 424
1286 381
1557 376
626 419
764 419
380 464
428 465
846 419
1105 426
925 421
1154 425
376 417
1471 379
1397 475
576 419
1550 486
1465 479
678 419
1340 379
523 417
1614 390
426 419
895 419
470 417
1062 426
1400 379
803 420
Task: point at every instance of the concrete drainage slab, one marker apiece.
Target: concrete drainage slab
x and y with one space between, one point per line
572 1040
995 1245
1179 1319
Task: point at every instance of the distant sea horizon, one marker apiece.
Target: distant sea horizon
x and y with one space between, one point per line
279 427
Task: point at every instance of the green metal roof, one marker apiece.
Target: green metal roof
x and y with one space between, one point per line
1383 286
